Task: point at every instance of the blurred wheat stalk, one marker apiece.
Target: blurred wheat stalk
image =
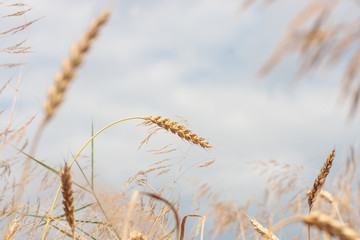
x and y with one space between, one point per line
71 64
323 41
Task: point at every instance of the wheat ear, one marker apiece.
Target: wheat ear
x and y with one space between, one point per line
69 66
264 232
331 226
330 199
12 229
137 235
68 199
180 130
320 180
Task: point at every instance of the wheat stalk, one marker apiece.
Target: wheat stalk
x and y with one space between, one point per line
68 199
320 180
180 130
69 66
264 232
331 226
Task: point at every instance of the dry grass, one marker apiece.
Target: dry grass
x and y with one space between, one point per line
15 27
228 216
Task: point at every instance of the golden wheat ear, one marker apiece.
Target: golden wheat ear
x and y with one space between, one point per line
70 65
320 180
68 199
180 130
264 232
331 226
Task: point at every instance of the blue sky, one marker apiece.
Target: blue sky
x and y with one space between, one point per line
194 59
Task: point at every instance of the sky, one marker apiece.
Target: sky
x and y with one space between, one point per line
193 59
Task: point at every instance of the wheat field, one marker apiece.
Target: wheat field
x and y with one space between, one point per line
39 200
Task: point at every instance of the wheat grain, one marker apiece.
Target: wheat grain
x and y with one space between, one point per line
264 232
68 199
180 130
69 66
320 180
331 226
